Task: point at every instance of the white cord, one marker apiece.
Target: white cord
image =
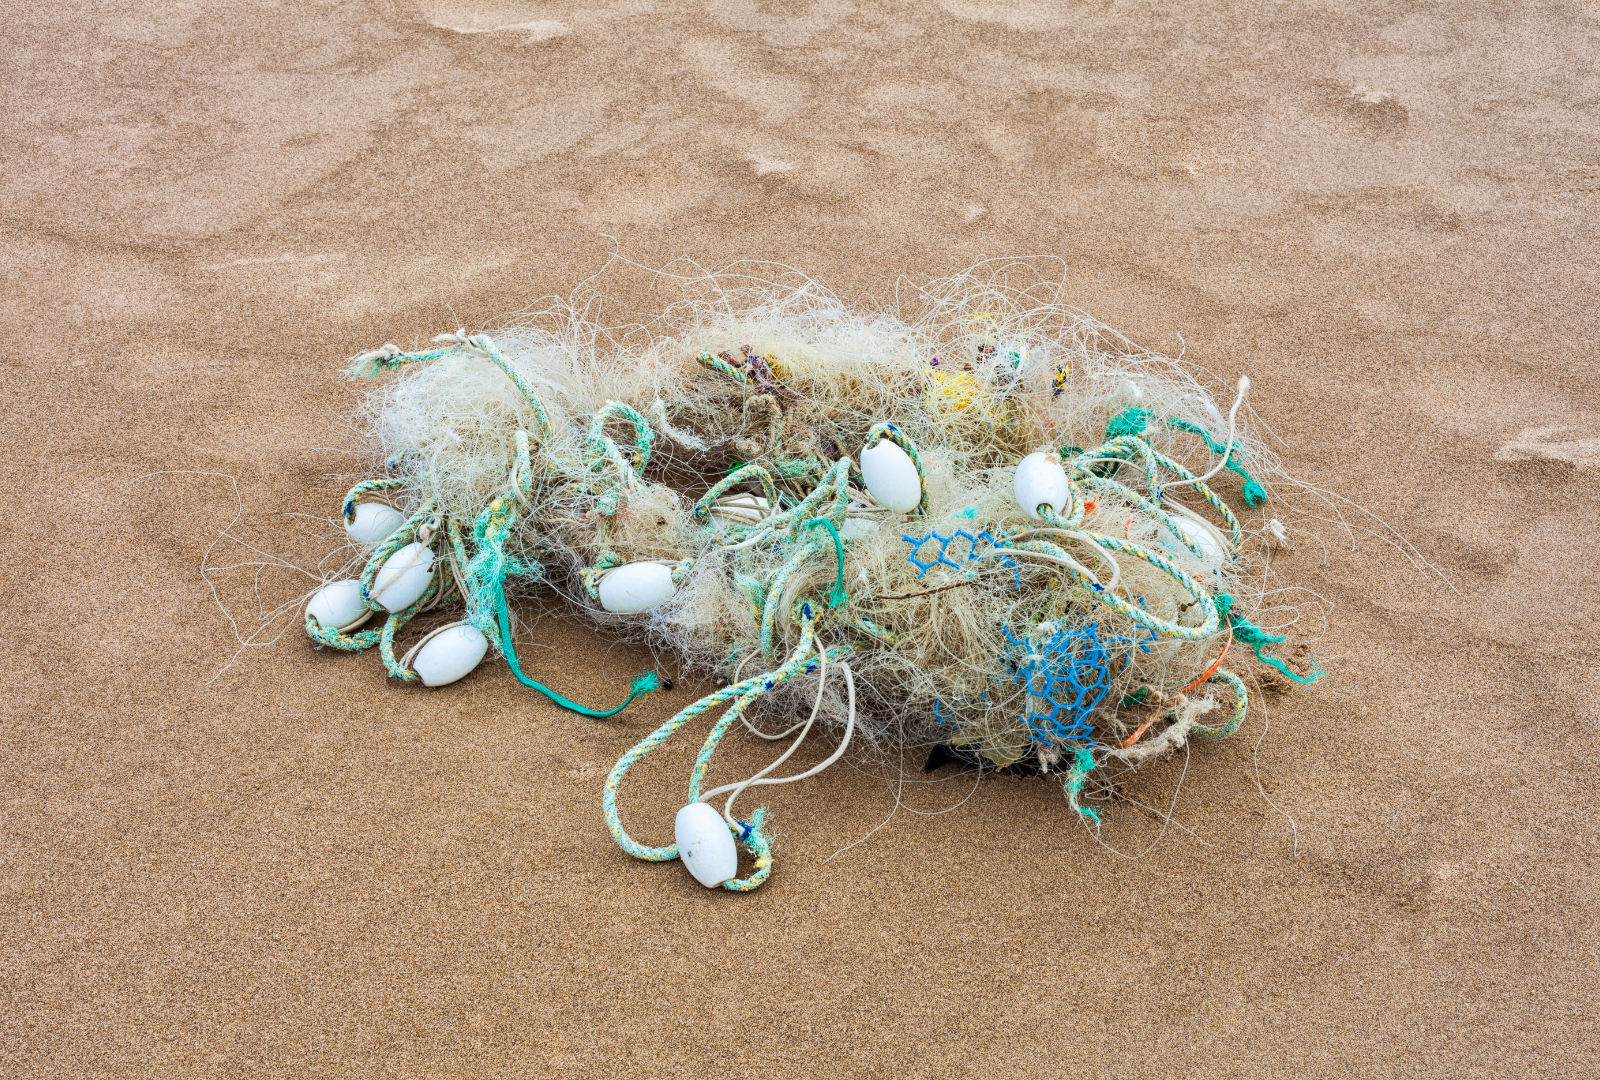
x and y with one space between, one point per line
752 542
759 779
1227 451
737 788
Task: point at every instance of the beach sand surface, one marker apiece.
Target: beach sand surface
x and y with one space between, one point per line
283 866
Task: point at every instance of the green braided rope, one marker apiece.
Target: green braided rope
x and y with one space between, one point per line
486 343
780 580
1204 489
885 430
600 448
1122 491
718 364
442 586
751 836
334 638
746 692
1241 704
396 540
743 474
753 839
1118 446
800 468
590 576
835 486
643 434
1154 623
1153 458
366 487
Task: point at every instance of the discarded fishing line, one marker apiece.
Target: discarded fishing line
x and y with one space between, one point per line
980 522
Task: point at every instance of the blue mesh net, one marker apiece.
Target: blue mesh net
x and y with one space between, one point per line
942 556
1067 675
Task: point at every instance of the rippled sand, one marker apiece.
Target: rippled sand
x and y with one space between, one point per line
1387 217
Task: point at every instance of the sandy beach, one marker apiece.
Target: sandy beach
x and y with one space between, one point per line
283 866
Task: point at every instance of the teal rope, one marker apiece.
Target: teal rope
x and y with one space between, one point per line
838 596
1254 493
1077 777
1132 421
735 477
1249 633
643 684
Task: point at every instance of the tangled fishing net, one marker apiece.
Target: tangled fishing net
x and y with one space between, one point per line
980 521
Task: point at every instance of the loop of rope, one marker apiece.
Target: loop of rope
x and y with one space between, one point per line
366 487
886 430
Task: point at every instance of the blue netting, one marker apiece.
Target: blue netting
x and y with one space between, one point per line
1066 676
942 558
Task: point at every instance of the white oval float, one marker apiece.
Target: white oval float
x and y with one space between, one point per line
891 476
374 523
450 654
1202 537
1041 479
404 577
705 844
747 509
636 587
338 604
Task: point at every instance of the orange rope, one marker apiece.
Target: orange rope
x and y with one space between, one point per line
1135 736
1215 664
1210 671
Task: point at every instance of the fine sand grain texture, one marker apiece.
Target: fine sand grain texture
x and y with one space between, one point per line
1385 213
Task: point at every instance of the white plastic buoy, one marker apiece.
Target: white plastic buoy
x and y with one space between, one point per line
636 587
338 604
1201 536
404 577
705 844
374 523
450 654
1041 479
891 476
743 508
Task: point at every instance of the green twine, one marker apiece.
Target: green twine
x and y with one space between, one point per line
643 684
1248 633
1133 420
1082 766
1254 493
838 596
